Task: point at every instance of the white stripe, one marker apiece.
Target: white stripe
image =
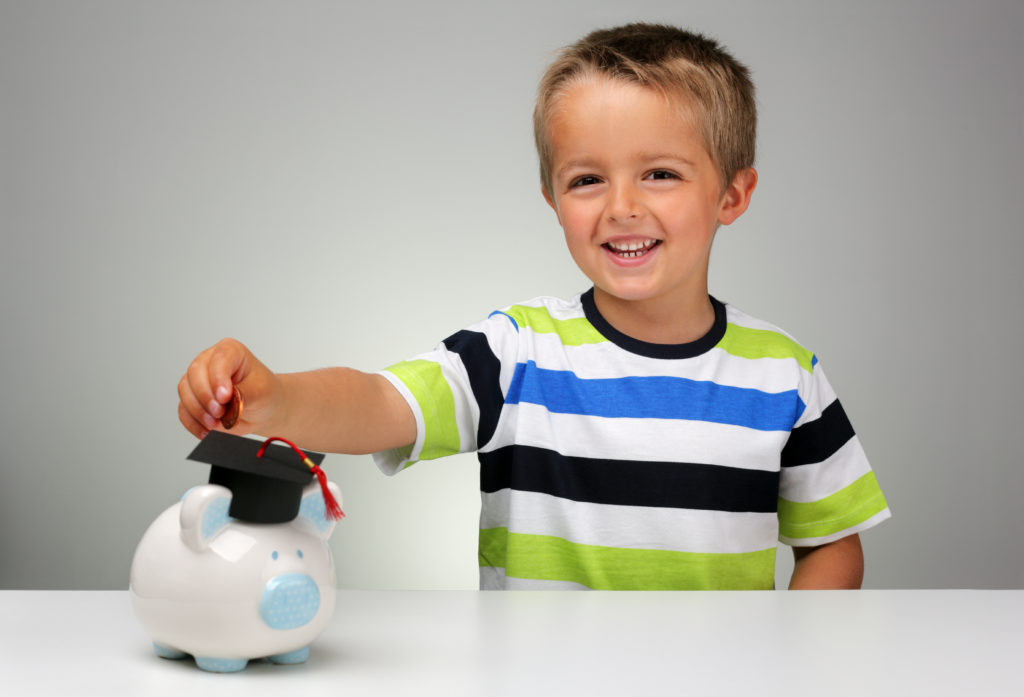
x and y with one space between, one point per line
650 440
606 360
817 394
816 541
629 527
813 482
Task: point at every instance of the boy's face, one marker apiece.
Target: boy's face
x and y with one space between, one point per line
637 193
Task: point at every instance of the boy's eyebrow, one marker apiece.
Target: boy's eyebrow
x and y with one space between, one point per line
582 163
676 157
588 163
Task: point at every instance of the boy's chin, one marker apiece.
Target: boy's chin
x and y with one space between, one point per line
637 294
624 294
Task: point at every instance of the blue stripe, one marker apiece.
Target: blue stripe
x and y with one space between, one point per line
561 392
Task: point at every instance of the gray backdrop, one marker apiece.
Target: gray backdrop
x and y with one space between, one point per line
348 183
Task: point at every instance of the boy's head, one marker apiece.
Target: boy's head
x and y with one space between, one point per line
689 69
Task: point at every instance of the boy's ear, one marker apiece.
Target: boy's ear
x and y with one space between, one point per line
737 195
551 202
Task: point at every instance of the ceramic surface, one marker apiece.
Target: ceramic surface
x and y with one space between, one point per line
225 591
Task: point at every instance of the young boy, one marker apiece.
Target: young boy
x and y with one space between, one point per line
642 435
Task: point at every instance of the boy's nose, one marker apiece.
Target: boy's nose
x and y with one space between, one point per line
623 205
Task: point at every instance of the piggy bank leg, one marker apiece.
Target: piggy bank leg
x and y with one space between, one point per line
167 652
291 657
221 665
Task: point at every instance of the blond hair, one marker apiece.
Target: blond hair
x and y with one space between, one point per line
690 67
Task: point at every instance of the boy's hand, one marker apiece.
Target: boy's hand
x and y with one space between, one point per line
208 386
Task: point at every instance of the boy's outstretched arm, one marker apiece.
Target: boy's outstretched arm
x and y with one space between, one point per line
836 565
334 409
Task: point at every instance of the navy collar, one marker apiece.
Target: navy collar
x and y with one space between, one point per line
644 348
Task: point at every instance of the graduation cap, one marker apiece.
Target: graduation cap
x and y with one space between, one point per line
266 481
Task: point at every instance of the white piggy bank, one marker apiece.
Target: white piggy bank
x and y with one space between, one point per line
226 591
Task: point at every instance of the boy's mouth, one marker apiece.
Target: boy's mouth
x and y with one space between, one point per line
631 248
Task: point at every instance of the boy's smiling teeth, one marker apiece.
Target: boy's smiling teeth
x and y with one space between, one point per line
631 248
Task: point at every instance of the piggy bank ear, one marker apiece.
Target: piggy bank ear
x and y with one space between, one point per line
313 512
204 513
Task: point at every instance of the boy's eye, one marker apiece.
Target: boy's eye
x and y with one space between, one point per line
662 174
587 180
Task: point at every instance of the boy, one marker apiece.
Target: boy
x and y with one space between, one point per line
642 435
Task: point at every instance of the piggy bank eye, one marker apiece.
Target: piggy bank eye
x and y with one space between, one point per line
300 554
274 555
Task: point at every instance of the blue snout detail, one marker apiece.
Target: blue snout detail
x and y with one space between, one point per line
289 601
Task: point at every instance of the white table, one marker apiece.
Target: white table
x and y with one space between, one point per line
539 643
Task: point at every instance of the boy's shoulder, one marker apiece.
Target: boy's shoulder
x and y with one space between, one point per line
741 318
558 308
544 313
750 337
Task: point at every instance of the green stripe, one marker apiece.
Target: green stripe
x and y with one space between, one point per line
434 396
611 568
744 342
573 332
847 507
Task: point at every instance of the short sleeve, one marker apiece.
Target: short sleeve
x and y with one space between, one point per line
827 489
455 391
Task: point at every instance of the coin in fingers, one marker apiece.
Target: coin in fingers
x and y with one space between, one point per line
232 410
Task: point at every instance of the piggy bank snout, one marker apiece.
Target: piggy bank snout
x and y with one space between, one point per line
289 601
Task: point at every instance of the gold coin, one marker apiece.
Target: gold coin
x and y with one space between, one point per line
233 410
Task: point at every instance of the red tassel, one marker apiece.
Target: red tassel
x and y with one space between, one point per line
334 511
331 505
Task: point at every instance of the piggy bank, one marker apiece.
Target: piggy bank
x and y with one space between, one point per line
227 591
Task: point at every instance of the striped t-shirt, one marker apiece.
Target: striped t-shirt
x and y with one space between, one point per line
611 463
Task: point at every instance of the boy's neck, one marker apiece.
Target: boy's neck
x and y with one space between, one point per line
662 321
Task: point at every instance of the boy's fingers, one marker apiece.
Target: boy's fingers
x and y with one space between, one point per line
226 368
189 403
207 387
190 424
197 393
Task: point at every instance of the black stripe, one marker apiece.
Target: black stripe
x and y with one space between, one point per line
484 370
818 440
629 483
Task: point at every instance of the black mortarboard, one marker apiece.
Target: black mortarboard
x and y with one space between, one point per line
265 489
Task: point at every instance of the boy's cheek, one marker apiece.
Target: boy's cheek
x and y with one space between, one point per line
569 213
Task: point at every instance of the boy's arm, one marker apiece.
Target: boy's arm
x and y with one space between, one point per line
836 565
343 410
334 409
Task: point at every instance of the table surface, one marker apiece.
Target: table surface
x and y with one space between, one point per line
454 643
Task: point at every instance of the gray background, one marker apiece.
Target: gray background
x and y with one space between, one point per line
342 183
